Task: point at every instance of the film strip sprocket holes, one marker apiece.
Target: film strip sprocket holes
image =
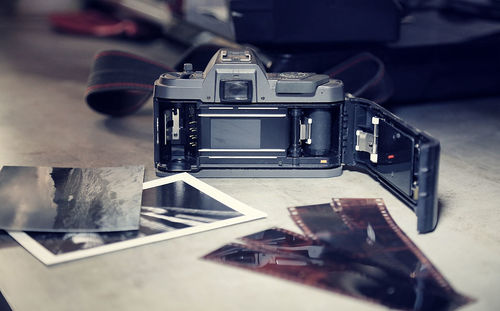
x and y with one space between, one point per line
338 205
309 260
343 207
296 218
432 269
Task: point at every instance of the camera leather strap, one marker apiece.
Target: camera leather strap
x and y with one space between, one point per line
120 82
364 75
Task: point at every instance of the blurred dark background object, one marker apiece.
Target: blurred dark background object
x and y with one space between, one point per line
475 8
432 49
275 23
102 24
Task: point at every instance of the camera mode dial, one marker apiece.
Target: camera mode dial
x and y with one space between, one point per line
294 75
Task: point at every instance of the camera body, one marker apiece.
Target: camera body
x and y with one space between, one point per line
235 120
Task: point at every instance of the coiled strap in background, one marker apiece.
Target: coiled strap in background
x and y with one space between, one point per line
120 82
364 75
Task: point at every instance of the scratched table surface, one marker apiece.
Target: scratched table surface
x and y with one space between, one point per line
44 121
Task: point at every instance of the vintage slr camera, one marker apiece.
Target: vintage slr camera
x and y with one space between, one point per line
236 120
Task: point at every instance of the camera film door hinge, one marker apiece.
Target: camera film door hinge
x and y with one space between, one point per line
172 124
305 130
368 142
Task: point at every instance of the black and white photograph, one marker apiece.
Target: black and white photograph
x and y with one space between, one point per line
57 199
173 206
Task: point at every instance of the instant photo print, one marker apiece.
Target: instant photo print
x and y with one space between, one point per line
69 199
172 207
235 120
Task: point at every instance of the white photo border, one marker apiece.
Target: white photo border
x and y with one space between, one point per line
248 214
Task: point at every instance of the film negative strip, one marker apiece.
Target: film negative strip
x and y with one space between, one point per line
276 238
352 247
292 268
285 242
256 257
377 231
432 269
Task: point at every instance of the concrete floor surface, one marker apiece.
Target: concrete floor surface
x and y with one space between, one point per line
44 121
